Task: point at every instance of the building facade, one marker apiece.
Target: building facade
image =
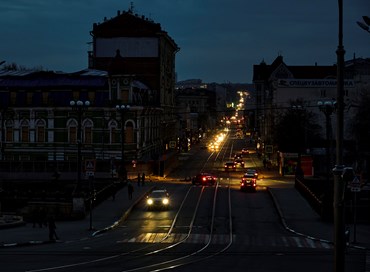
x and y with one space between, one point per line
147 54
279 86
132 64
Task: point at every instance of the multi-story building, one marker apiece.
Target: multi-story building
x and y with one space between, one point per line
132 64
278 86
142 51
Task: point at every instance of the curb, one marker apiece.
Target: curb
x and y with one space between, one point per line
286 226
114 225
125 215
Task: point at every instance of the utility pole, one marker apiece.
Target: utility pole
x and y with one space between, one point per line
339 226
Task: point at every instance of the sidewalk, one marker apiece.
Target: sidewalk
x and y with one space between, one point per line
104 217
298 217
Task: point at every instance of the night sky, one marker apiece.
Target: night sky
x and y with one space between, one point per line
219 40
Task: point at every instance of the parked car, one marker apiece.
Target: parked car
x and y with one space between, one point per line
248 182
230 165
158 199
204 179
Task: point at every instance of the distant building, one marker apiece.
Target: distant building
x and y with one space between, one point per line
278 86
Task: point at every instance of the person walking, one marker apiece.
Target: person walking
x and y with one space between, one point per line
130 190
52 227
143 179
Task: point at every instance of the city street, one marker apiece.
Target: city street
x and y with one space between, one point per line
217 228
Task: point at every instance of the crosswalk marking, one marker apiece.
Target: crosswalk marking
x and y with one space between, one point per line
198 238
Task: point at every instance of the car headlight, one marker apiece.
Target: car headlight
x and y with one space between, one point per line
149 201
165 201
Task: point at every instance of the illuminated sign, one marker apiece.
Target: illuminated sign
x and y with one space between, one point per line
313 83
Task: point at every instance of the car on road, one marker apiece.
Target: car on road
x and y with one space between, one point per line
245 151
204 179
253 172
238 156
158 199
230 165
239 162
248 182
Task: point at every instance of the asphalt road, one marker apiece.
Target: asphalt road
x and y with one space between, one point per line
206 229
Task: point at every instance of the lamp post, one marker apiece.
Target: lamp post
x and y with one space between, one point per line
3 133
300 117
327 107
122 109
339 227
79 106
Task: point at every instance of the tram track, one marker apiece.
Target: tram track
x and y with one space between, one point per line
159 256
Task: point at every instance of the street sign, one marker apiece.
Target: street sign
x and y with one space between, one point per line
89 173
90 165
355 185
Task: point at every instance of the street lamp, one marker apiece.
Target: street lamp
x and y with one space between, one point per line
339 226
3 110
79 106
327 107
122 109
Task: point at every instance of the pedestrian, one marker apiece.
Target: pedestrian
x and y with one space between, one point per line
138 179
264 162
130 189
143 179
52 227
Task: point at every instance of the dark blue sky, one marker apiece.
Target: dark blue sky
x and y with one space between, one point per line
219 40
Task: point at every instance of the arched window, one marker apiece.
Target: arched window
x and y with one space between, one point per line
129 132
25 131
113 132
72 131
87 125
40 131
9 131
